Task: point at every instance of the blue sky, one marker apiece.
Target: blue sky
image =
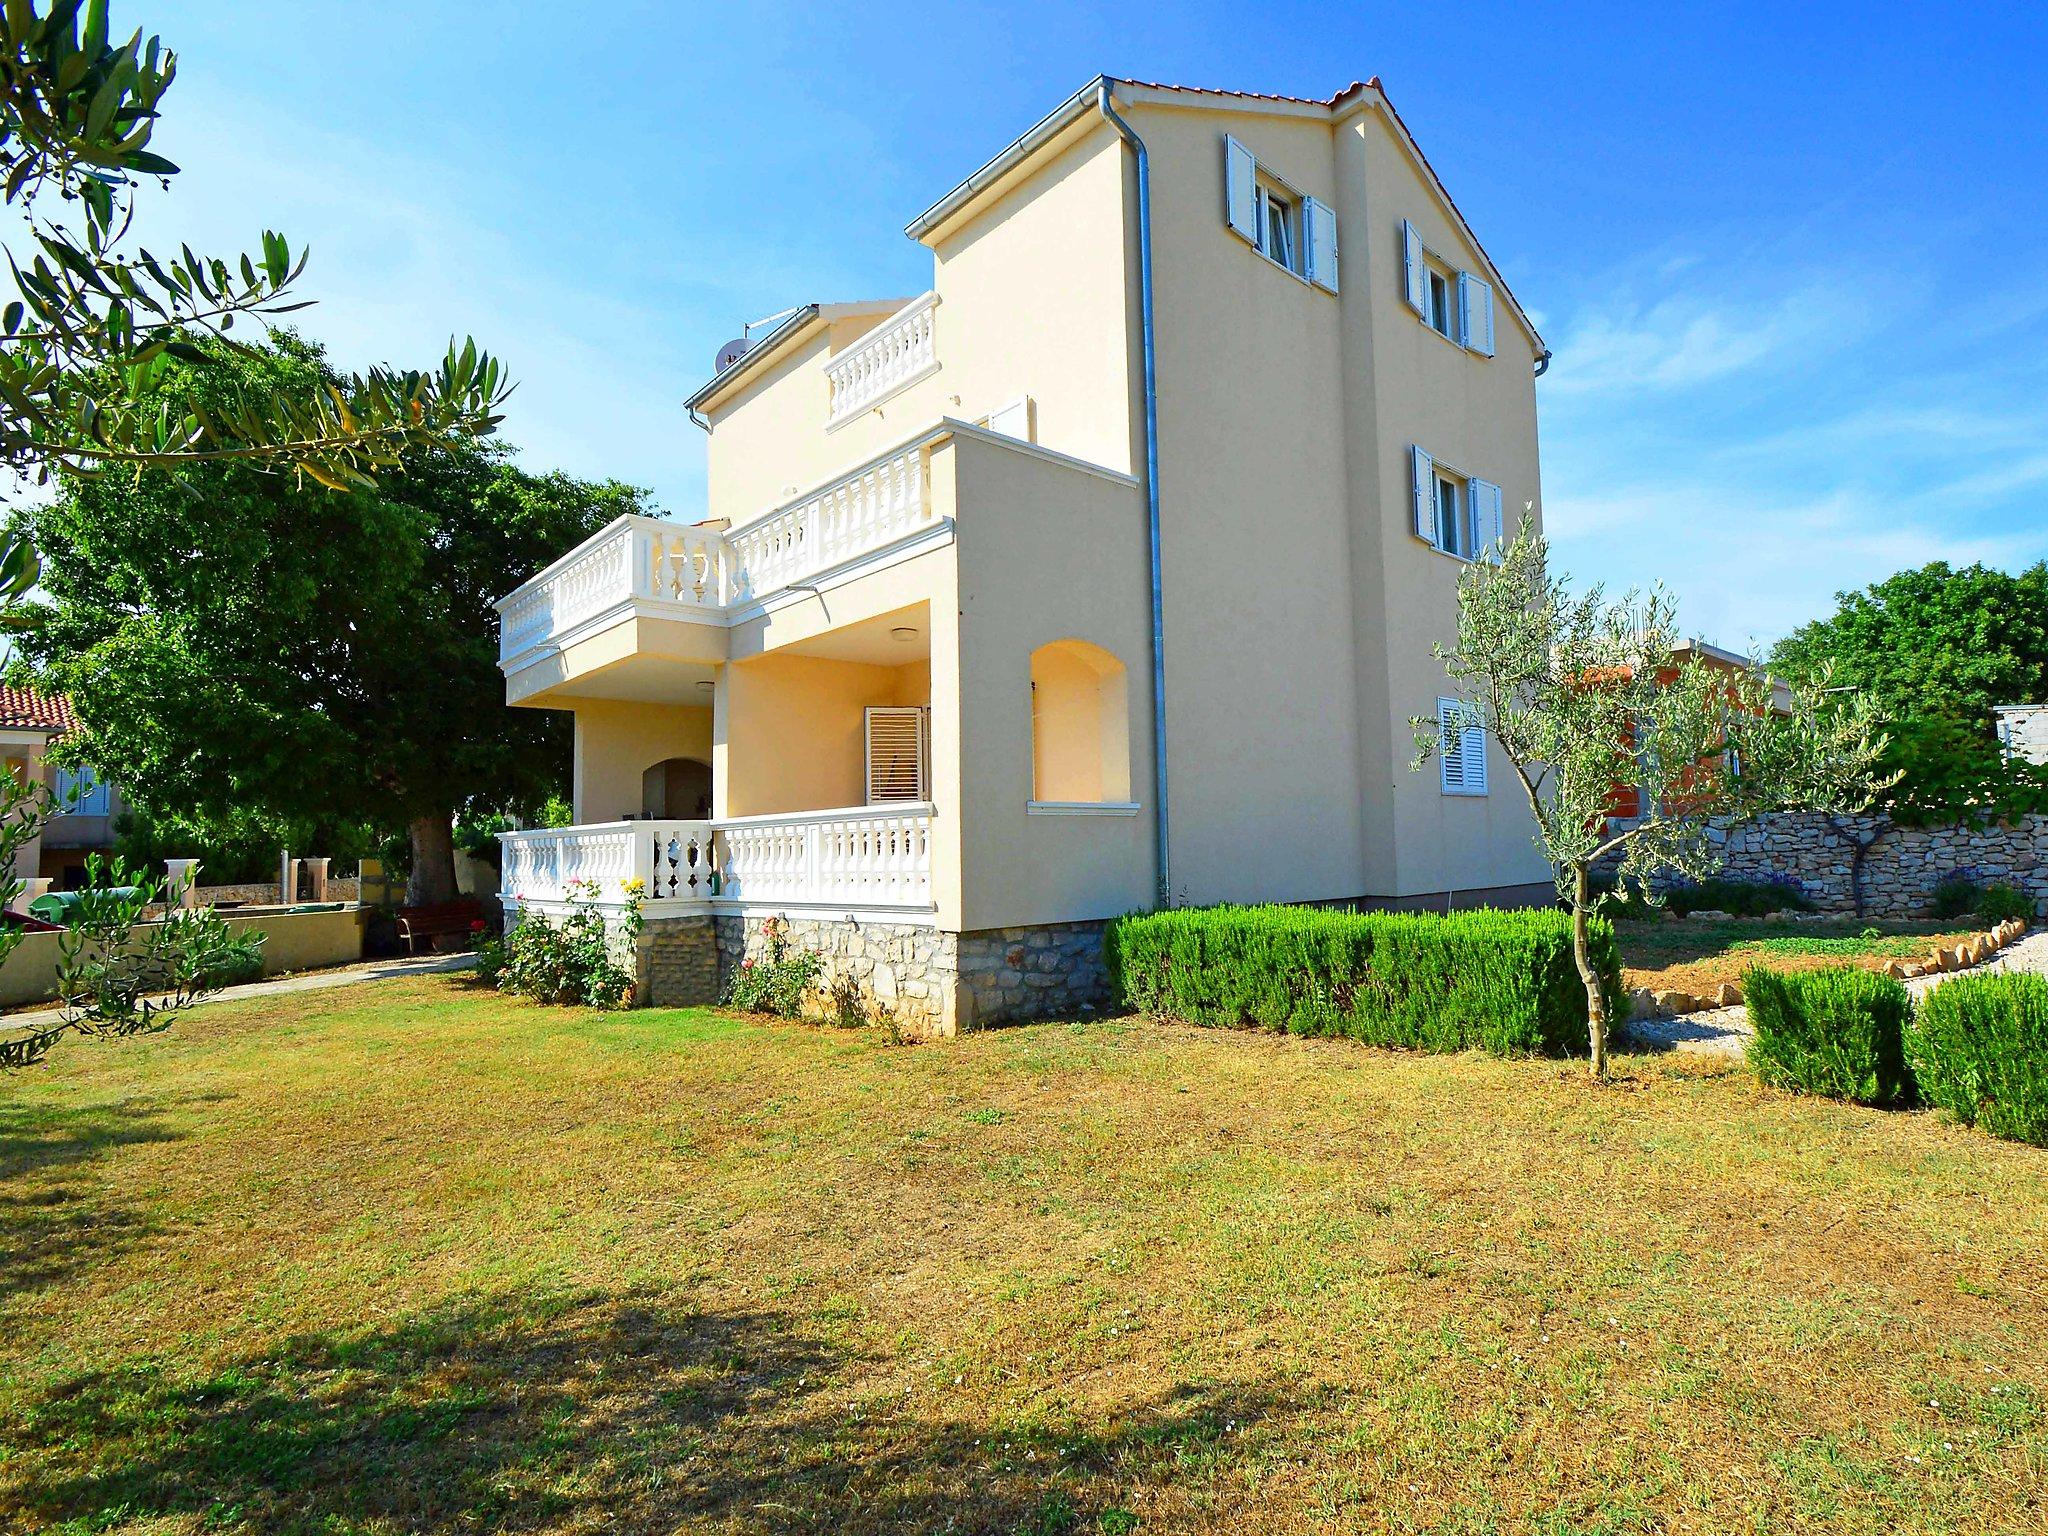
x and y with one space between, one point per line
1793 259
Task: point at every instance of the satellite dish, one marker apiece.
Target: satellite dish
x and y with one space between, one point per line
731 353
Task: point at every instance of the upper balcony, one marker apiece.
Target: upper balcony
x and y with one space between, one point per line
893 356
703 578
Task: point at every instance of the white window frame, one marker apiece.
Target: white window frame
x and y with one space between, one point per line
1279 224
1439 300
1468 757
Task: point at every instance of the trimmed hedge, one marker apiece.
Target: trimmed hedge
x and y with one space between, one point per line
1504 981
1980 1051
1839 1033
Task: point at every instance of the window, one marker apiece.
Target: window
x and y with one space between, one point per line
897 744
79 792
1456 513
1289 229
1456 305
1276 228
1461 748
1080 727
1453 528
1436 311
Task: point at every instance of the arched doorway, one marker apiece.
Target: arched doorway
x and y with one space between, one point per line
676 789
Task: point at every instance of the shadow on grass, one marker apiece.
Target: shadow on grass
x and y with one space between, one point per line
620 1414
49 1227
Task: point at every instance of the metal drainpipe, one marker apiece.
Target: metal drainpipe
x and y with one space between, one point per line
1163 893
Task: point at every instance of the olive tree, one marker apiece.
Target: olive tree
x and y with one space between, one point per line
1585 696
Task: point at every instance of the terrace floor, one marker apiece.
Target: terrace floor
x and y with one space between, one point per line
413 1257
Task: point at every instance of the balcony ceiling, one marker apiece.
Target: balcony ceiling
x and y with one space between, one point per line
871 641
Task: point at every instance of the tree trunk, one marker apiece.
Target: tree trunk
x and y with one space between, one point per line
1582 956
433 860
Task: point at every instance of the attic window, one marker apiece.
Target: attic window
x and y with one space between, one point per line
1457 305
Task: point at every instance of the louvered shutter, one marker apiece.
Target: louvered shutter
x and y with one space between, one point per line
1472 751
1320 220
1450 740
1461 748
896 753
1475 314
1413 271
1486 519
1240 189
1422 488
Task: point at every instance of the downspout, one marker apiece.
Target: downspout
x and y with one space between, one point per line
1542 362
1163 892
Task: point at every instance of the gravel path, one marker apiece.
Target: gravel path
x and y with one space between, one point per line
1725 1031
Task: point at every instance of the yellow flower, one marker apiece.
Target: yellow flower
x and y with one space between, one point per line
635 886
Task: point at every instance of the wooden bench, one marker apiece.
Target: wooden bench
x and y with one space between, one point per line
416 923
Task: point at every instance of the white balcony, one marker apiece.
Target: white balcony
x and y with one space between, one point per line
886 361
654 568
862 859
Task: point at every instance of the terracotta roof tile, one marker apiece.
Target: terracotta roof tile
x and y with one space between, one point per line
23 709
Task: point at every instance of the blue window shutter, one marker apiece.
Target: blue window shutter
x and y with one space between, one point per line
1413 273
1320 220
1486 519
1474 753
1475 314
1240 189
1422 487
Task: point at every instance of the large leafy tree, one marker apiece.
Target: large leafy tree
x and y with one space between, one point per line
1937 648
1934 642
237 643
87 349
1582 695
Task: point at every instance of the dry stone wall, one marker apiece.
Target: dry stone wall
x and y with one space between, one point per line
1902 867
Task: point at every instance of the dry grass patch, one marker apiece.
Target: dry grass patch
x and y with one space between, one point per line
418 1258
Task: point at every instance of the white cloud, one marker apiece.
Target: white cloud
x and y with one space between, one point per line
1686 339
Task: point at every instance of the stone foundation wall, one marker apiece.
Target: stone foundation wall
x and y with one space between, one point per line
902 970
676 963
1051 971
1902 867
930 982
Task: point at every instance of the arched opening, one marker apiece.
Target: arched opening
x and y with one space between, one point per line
676 789
1080 725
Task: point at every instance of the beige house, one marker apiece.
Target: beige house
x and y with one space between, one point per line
1102 574
83 806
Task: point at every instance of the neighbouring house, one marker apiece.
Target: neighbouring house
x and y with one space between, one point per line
2023 731
1626 801
1103 574
85 805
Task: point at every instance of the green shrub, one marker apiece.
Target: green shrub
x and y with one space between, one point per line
2002 903
1739 898
1501 980
1957 896
1839 1033
575 958
776 980
1980 1051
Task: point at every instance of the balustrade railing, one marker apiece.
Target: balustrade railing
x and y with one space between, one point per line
896 353
862 857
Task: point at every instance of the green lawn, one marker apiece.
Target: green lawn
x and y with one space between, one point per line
410 1257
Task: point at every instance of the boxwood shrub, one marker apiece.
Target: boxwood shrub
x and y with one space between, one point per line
1980 1051
1500 980
1839 1033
